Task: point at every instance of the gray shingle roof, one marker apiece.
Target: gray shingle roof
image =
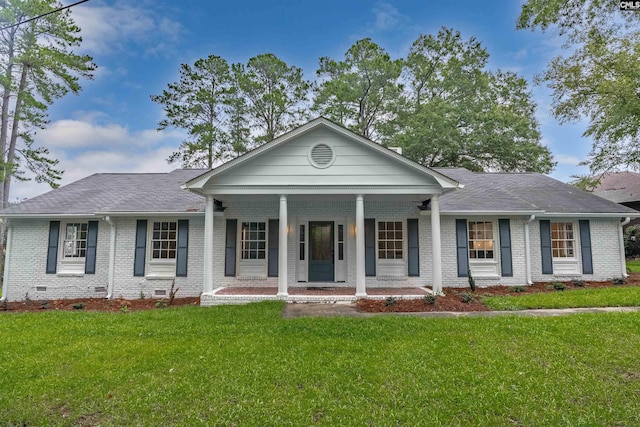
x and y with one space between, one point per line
157 192
619 187
521 192
106 192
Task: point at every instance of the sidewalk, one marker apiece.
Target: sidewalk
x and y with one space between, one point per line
349 310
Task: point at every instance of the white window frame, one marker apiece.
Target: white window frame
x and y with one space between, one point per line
160 268
248 241
567 265
72 265
561 237
391 268
252 269
483 267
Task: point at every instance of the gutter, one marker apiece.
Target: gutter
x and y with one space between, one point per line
622 252
527 250
112 256
5 278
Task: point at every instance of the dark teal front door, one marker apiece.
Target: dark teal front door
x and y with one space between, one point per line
321 264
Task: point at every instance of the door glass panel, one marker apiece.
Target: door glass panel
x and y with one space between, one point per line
321 243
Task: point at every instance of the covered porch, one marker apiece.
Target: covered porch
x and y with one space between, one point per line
306 294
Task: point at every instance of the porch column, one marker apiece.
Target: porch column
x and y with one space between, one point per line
282 248
436 247
208 245
361 286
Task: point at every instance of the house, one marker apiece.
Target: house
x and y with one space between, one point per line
620 187
317 206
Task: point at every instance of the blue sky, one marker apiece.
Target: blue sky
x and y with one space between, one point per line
138 46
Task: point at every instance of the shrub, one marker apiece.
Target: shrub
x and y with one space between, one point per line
78 306
518 289
579 283
559 286
619 281
161 303
124 309
430 299
467 297
390 301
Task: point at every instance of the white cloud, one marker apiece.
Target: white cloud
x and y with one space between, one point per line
109 28
566 159
387 16
84 146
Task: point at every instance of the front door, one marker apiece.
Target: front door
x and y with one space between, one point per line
321 256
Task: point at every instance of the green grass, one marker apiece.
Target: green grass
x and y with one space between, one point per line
633 266
245 365
622 296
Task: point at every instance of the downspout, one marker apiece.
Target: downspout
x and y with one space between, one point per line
622 253
7 252
527 250
112 255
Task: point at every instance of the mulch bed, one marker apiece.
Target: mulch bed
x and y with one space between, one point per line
97 304
452 301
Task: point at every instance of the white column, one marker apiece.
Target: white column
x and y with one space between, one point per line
361 285
436 247
208 245
282 248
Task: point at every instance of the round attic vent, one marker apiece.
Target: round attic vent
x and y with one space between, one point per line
321 156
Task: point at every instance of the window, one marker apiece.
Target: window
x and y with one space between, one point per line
164 240
253 240
340 242
75 240
481 240
390 240
562 240
302 248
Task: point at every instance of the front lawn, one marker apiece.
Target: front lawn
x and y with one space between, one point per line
245 365
622 296
633 266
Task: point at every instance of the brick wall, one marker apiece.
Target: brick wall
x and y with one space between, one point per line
27 259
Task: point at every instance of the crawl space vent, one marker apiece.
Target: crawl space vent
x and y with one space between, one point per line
321 156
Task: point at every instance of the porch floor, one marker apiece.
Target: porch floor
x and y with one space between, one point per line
302 294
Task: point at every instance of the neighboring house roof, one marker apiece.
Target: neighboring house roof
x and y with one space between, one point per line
521 192
116 193
619 187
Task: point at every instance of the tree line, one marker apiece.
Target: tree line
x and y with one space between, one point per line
441 104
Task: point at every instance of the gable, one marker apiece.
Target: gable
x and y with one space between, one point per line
322 155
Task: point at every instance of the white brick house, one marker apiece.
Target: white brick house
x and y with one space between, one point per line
318 206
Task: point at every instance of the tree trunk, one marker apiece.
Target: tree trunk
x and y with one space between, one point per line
11 153
4 117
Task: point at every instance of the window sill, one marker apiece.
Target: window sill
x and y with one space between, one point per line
160 276
70 274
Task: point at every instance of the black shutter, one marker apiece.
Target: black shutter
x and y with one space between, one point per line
182 255
414 247
585 246
230 248
274 236
92 243
370 247
545 247
141 248
505 247
462 247
52 250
